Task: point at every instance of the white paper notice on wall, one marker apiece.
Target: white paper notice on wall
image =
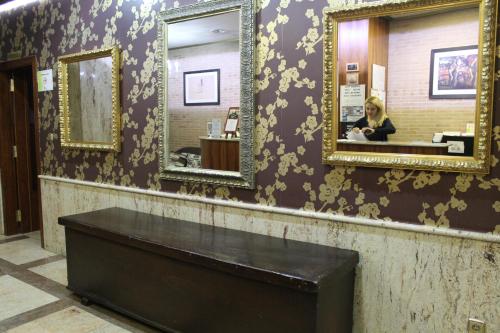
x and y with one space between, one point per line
216 128
352 102
378 77
45 81
379 94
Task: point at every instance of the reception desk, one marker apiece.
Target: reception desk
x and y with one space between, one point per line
424 148
220 153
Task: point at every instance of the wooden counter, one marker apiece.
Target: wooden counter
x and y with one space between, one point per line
220 153
188 277
424 148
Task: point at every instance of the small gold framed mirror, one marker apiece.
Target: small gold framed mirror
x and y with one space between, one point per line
409 84
89 100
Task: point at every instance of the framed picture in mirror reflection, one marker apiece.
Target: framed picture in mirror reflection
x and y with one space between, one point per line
449 97
232 121
453 73
202 87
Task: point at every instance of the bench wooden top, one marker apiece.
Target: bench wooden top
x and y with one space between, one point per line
298 265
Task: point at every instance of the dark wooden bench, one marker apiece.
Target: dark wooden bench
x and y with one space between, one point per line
188 277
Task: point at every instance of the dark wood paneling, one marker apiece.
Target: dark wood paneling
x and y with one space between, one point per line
220 154
353 47
378 48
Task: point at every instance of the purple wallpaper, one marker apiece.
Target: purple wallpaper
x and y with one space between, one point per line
289 172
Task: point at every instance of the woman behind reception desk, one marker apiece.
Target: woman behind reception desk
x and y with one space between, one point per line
375 125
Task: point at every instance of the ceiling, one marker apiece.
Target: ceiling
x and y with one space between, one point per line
201 30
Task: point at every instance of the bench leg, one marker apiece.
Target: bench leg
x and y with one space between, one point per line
85 301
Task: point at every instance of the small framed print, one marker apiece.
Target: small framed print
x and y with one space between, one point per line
453 73
352 67
202 87
232 121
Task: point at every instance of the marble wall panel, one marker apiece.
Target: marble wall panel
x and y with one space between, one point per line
96 100
406 281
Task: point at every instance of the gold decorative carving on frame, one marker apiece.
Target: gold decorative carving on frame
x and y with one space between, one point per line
65 112
480 162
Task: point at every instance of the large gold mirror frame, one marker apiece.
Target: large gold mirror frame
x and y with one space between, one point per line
89 100
333 151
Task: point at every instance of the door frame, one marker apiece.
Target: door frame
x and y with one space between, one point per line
31 62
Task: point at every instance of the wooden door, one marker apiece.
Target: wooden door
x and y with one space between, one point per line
17 152
7 161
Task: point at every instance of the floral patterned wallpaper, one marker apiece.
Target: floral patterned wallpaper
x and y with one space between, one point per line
288 128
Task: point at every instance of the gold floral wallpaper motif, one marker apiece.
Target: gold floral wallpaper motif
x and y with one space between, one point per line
288 129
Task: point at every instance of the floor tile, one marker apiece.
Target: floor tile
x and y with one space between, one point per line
56 271
18 297
23 251
72 319
2 237
34 234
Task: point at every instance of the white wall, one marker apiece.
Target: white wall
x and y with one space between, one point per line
188 123
415 115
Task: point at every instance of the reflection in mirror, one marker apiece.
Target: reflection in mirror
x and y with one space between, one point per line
394 97
206 100
90 100
203 84
407 84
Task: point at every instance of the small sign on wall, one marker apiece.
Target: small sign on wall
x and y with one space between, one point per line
352 102
456 147
45 80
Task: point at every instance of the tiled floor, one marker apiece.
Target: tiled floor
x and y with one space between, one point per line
34 299
23 251
55 271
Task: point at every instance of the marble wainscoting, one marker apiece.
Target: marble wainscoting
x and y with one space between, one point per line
406 281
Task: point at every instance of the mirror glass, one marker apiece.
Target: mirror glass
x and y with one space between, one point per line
203 85
407 82
90 100
207 100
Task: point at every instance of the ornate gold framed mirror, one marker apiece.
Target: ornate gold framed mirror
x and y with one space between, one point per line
207 68
89 100
409 84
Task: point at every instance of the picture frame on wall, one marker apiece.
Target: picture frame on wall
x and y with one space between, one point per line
453 73
352 67
202 87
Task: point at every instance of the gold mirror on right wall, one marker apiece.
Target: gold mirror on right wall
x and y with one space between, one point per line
409 84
